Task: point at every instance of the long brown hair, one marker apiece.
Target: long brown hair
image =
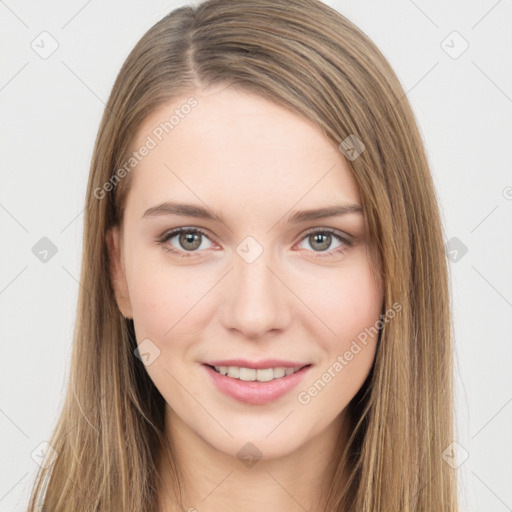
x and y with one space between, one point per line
304 56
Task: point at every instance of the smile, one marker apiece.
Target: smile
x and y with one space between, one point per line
255 386
251 374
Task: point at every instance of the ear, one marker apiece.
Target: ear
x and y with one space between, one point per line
117 272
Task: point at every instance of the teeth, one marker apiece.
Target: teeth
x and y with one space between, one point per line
250 374
233 371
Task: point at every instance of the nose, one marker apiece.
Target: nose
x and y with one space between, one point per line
255 300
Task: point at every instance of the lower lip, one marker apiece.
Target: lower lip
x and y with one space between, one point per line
255 392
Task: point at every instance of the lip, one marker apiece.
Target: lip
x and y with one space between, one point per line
255 392
257 365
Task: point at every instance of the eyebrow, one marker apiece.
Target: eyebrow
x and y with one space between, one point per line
191 210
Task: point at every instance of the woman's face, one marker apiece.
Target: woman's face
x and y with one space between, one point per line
264 283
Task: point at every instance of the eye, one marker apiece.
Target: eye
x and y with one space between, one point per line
321 239
189 240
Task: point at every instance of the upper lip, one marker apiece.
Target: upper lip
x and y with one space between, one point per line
264 363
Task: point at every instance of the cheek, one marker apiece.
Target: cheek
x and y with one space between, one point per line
168 302
359 308
153 300
350 306
347 302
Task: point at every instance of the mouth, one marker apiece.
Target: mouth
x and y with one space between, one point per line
256 386
247 374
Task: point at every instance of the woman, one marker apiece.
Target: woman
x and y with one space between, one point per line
264 317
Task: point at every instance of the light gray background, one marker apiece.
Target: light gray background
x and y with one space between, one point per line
51 110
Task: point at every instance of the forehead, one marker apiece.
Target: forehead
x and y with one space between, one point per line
237 149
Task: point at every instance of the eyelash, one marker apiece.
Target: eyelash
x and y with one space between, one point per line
346 242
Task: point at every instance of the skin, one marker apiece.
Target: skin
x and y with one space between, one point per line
255 163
